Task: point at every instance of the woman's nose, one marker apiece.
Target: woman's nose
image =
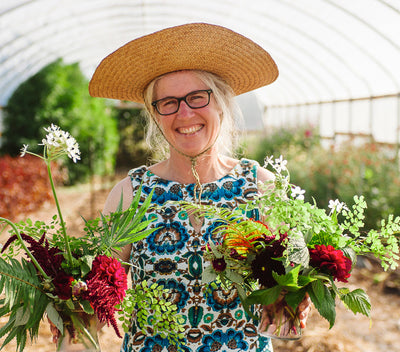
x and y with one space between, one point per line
184 110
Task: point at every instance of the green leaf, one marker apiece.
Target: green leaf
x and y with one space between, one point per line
264 296
357 301
323 300
22 316
55 317
293 299
87 308
298 251
288 280
208 275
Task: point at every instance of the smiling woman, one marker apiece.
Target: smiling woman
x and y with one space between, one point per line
188 91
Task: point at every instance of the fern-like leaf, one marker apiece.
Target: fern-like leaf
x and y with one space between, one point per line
24 301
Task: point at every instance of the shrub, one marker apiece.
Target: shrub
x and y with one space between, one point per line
58 94
24 184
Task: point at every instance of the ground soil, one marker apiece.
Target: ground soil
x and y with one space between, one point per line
351 333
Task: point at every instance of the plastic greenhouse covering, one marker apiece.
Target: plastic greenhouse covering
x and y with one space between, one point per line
338 59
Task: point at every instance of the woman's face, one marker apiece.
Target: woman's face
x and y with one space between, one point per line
189 130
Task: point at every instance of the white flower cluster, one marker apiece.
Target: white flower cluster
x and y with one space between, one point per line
297 192
58 139
58 142
337 205
280 165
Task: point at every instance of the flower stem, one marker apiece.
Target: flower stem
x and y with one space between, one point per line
28 252
64 230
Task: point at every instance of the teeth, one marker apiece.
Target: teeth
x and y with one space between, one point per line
189 130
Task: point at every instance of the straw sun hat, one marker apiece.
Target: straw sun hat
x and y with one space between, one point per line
125 73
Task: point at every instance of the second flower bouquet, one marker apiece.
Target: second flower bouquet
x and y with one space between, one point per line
288 249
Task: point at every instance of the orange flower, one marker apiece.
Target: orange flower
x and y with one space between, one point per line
240 237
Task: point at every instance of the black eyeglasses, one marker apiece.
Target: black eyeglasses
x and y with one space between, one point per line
195 100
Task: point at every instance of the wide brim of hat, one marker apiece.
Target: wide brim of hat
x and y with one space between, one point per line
125 73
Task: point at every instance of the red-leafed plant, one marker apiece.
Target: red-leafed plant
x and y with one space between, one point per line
24 184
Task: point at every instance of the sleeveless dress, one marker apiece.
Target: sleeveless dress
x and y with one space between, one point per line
172 256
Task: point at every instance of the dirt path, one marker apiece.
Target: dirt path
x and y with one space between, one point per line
351 333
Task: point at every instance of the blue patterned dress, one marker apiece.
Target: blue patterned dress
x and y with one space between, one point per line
172 256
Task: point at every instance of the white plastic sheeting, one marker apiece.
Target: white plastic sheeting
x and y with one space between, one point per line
326 50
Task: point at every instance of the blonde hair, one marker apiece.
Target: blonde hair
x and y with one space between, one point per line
230 118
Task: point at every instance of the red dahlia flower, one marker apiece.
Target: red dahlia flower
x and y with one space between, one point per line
106 287
332 261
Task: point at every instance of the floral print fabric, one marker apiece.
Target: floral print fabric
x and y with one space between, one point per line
172 256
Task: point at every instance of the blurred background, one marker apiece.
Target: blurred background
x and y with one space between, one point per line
333 113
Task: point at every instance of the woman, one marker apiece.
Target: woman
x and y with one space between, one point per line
187 77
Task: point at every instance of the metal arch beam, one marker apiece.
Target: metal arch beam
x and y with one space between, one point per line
293 44
322 45
344 36
375 30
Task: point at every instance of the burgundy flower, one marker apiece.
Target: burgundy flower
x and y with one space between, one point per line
62 285
106 287
264 264
219 264
332 261
49 258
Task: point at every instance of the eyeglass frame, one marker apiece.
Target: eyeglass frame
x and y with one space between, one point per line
209 91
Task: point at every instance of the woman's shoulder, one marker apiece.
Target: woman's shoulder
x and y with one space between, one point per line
122 190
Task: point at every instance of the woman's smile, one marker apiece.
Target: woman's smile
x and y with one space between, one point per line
190 130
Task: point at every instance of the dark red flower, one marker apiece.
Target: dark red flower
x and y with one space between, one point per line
331 261
62 285
106 287
264 264
219 264
49 258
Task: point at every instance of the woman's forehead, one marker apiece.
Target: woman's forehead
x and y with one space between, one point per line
179 82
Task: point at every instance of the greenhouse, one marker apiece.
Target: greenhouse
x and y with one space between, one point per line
338 60
333 112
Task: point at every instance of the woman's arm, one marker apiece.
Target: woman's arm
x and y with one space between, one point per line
264 175
124 188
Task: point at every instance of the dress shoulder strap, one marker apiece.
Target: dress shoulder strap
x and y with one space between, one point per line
136 175
248 169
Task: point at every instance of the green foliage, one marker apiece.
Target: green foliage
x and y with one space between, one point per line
58 94
155 314
24 303
133 150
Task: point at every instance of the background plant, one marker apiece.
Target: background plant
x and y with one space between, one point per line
24 184
337 172
133 150
58 94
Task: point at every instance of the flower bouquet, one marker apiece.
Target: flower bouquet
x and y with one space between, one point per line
75 281
277 249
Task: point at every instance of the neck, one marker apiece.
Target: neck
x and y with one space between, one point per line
210 167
